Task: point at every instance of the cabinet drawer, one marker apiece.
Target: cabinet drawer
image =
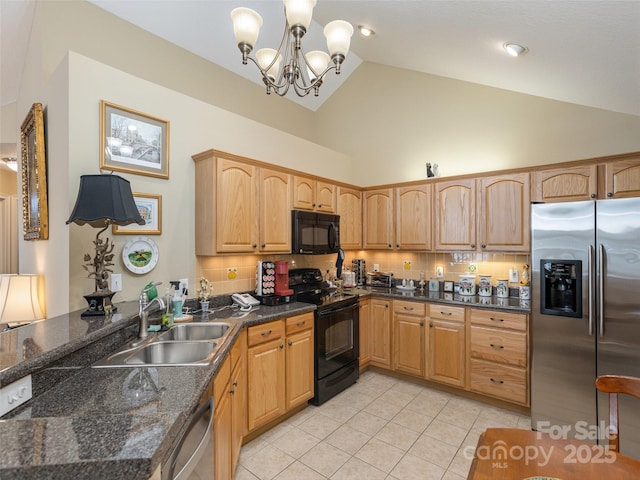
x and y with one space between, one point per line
299 323
409 308
508 383
499 345
446 312
494 318
265 332
221 381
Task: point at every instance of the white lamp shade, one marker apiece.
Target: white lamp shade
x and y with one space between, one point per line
318 61
246 25
265 56
338 34
19 300
299 12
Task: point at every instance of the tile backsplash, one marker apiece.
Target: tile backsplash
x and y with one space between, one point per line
236 273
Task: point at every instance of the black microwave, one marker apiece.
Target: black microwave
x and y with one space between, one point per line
314 233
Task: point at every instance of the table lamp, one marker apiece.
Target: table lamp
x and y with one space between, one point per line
19 300
103 200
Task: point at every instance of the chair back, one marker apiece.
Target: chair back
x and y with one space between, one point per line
613 385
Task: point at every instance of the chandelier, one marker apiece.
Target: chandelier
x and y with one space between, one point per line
302 71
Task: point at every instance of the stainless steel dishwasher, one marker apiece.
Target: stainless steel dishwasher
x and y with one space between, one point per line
192 457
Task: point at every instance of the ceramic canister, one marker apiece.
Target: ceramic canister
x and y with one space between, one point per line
502 288
524 292
484 286
467 285
434 285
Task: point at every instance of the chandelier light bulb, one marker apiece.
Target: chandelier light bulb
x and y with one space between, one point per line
246 25
338 34
265 56
299 12
318 61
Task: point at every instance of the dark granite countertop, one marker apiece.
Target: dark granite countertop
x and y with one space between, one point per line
120 423
107 423
493 302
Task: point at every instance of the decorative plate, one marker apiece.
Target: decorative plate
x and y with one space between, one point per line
140 254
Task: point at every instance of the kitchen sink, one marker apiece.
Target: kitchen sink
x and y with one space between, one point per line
196 331
163 353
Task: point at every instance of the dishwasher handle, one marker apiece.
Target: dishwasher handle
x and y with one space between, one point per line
200 450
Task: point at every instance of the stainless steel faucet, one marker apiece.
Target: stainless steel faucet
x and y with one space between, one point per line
144 307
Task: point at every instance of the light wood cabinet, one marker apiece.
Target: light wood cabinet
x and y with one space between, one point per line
622 178
299 360
413 206
228 420
350 211
499 354
447 344
275 211
565 184
503 215
610 179
398 218
378 219
490 214
409 337
316 195
241 208
381 332
280 357
365 332
265 373
455 215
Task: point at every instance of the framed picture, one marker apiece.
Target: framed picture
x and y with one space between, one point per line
150 208
133 142
35 211
448 286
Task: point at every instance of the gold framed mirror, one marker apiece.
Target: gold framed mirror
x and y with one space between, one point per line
35 214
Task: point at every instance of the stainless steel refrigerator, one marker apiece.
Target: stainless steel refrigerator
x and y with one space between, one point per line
585 315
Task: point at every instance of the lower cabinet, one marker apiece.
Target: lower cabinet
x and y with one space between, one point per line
279 368
380 327
365 332
228 425
447 344
409 337
499 355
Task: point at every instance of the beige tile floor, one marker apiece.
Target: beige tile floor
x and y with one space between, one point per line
380 428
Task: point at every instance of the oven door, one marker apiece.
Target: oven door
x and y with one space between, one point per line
337 336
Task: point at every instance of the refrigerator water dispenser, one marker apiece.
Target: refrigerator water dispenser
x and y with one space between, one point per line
561 292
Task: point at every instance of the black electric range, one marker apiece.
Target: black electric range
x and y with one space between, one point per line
309 287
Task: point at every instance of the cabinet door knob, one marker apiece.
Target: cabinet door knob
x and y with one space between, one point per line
609 194
254 245
290 343
484 245
264 245
390 246
422 324
430 325
235 384
232 391
473 245
593 195
281 346
397 245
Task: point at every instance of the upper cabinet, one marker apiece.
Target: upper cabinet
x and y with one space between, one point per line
455 215
503 213
413 205
350 211
398 218
490 214
310 194
622 178
240 207
378 219
612 179
565 184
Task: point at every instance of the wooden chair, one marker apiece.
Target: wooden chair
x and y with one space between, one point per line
613 385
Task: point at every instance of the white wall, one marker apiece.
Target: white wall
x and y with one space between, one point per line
195 126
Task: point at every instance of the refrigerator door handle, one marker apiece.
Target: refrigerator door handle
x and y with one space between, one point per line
601 290
591 287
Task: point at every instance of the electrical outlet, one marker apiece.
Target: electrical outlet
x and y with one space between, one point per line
439 272
116 282
15 394
232 273
406 264
376 267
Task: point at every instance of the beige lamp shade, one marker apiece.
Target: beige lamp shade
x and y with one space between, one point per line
19 300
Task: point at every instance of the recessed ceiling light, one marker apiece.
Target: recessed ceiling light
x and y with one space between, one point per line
514 49
366 31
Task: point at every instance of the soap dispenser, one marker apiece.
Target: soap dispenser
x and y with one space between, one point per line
177 304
